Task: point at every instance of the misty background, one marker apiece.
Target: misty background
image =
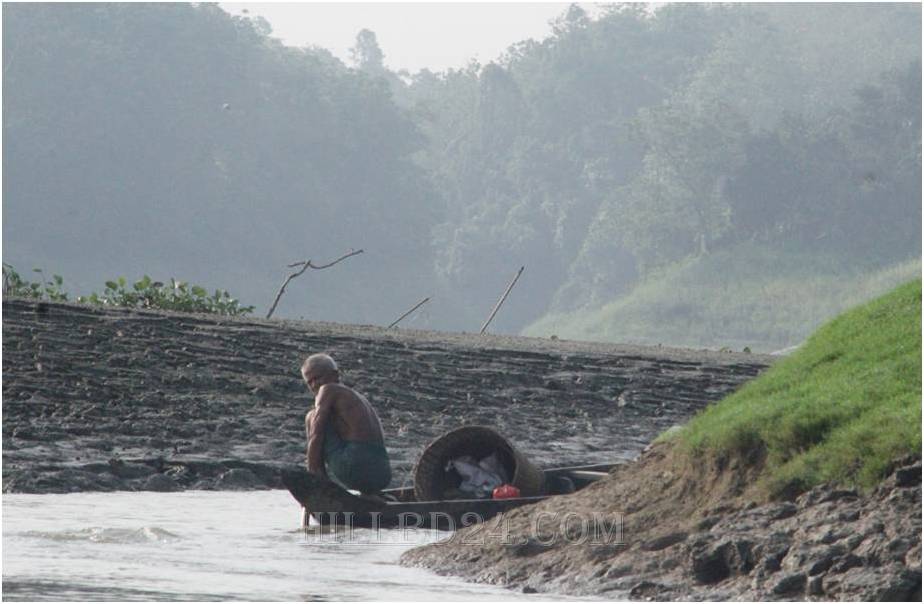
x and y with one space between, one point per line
699 175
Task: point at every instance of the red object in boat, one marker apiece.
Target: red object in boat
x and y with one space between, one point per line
506 491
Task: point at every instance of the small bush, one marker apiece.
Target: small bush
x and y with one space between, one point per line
144 293
178 296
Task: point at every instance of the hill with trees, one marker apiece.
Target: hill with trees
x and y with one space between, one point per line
776 145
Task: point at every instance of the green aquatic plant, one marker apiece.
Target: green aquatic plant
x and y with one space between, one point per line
15 285
178 296
144 293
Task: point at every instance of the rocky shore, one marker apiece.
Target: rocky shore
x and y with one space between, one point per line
110 399
685 533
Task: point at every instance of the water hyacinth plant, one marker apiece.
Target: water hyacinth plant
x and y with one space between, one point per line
178 296
15 285
144 293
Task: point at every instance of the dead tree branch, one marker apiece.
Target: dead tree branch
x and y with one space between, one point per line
305 264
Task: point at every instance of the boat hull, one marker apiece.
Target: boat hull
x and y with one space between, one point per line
330 504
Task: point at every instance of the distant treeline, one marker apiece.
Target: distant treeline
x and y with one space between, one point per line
173 138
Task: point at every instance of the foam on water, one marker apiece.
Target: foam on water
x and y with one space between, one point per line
145 534
205 545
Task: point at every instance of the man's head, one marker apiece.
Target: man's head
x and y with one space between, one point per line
319 369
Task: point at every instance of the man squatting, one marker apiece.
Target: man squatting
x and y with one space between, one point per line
345 438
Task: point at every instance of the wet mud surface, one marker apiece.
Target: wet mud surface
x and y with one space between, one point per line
679 532
98 399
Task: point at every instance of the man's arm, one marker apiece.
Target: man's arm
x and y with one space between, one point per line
308 433
317 422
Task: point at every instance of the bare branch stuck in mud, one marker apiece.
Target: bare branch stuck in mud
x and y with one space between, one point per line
502 299
416 306
305 264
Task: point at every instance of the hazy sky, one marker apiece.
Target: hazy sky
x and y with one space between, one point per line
413 36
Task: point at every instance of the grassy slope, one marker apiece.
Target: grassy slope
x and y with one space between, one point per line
840 409
748 296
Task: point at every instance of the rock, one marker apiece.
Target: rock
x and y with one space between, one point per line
878 584
790 584
618 571
823 494
838 494
771 563
899 547
848 516
781 511
815 586
873 550
908 477
664 541
822 563
713 562
646 589
238 479
161 483
905 498
529 590
813 559
902 584
846 563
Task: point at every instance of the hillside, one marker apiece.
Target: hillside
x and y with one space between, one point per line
750 296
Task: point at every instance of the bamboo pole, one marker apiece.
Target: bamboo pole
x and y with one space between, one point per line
501 301
418 305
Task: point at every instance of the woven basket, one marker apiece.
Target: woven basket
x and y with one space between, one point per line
431 480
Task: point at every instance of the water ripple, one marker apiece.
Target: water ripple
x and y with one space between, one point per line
145 534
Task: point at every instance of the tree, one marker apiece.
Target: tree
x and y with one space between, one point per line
366 54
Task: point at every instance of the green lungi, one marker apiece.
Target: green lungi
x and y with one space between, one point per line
356 465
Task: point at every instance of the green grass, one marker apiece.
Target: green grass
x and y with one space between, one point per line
839 409
749 296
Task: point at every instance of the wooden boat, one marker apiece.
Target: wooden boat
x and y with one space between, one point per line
330 504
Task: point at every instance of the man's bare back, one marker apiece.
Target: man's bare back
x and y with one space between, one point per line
351 415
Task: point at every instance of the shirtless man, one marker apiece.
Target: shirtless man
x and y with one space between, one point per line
345 439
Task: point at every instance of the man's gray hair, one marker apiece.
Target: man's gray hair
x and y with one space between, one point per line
321 364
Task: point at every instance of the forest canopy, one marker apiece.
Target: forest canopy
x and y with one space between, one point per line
171 139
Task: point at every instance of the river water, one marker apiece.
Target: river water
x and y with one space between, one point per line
206 545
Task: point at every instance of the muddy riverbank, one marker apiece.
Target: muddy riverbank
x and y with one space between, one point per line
684 532
106 399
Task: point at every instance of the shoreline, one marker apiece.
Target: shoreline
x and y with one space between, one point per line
115 399
691 538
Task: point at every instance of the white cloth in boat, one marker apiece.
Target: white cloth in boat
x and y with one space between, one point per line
479 478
